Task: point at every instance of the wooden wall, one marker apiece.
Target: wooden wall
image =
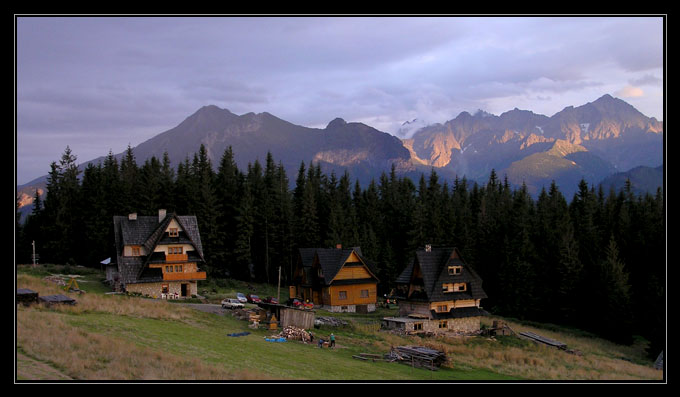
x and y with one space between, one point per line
353 293
352 272
298 318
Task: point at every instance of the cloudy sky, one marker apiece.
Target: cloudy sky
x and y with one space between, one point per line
101 83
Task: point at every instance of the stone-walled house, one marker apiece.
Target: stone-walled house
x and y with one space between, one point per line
438 292
158 256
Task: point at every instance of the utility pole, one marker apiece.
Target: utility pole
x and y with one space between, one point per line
278 292
33 244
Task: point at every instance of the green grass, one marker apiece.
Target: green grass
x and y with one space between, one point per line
178 333
206 337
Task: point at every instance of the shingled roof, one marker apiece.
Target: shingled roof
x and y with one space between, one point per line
331 260
148 232
434 265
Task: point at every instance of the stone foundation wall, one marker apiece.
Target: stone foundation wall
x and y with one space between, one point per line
154 290
465 325
347 308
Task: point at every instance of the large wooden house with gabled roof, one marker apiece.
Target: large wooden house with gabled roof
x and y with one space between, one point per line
340 280
158 256
438 292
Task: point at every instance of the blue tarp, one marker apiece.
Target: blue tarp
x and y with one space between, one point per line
239 334
275 339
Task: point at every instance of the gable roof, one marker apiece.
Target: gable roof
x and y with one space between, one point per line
434 265
331 260
147 232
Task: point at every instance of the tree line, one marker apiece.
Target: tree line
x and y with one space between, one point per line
596 262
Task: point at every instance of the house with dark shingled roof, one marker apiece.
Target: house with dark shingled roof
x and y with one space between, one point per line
340 280
439 292
158 256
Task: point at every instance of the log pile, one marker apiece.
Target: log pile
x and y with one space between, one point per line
417 356
294 333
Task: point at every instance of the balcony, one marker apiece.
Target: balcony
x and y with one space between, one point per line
170 258
184 276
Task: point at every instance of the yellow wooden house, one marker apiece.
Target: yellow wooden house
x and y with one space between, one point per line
340 280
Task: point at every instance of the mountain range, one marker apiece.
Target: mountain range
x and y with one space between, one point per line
592 141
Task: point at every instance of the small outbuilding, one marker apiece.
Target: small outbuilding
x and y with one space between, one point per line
26 296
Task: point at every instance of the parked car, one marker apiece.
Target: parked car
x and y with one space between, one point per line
253 298
230 303
271 299
241 297
295 302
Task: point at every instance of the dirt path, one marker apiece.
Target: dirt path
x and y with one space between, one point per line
207 307
31 369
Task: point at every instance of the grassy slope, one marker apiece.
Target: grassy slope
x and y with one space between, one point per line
116 337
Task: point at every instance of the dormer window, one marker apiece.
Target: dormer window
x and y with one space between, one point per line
455 270
454 287
173 232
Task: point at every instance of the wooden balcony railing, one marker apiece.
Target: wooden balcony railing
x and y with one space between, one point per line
176 258
184 276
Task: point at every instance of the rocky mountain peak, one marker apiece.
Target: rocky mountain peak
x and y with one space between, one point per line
336 123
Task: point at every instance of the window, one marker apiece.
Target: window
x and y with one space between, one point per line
168 269
178 268
364 293
454 287
173 232
417 326
455 270
342 295
174 250
164 289
443 324
136 251
441 308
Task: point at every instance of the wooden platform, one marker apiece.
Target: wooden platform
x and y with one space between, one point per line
544 340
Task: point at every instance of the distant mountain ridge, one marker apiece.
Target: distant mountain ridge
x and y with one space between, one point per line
591 141
611 136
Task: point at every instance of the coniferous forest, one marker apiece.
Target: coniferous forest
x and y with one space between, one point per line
595 261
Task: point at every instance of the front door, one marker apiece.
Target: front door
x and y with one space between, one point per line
184 290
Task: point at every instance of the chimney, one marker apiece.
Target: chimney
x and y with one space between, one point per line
132 216
338 246
161 215
428 247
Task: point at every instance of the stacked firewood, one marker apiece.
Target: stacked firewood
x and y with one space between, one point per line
294 333
417 356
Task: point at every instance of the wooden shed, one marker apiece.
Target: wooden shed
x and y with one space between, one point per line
287 315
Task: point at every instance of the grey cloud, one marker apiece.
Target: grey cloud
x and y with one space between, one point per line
140 76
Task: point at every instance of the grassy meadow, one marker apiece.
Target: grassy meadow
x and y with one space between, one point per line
121 338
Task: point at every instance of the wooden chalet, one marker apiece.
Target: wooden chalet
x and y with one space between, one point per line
438 292
158 256
340 280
